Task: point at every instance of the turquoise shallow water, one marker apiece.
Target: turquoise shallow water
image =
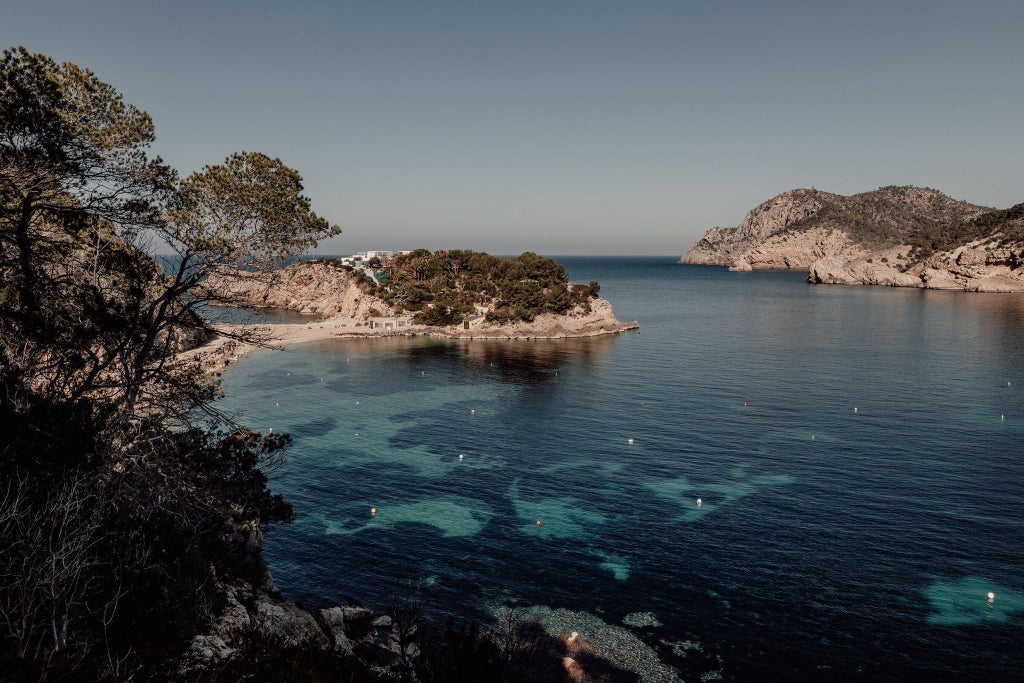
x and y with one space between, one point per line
854 513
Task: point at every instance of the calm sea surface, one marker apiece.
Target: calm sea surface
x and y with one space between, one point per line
857 452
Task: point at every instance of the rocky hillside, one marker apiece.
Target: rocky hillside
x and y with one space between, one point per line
802 226
452 294
984 254
323 288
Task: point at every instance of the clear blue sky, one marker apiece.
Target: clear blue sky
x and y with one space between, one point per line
564 127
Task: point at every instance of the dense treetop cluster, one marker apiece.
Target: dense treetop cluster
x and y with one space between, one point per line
444 287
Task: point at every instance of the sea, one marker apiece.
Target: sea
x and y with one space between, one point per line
769 480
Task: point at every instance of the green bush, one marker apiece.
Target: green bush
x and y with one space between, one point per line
517 288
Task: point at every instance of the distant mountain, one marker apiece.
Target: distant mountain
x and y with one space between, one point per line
983 254
898 236
798 227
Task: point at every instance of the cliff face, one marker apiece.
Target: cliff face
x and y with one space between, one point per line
991 261
802 226
726 246
312 287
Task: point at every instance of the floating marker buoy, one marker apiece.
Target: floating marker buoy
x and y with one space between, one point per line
1002 418
373 512
631 442
699 502
991 596
855 410
812 437
461 456
538 522
744 404
472 412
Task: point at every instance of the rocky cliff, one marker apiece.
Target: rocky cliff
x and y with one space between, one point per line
253 623
800 227
984 254
320 288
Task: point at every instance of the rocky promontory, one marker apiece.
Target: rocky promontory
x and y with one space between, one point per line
456 294
985 254
896 236
799 227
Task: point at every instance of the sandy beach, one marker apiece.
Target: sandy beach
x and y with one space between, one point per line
226 347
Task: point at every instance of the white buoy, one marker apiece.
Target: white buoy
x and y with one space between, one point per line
699 502
1002 418
461 456
991 596
472 412
631 442
855 409
812 437
373 512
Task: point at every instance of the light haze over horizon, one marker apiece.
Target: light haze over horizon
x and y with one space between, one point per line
564 127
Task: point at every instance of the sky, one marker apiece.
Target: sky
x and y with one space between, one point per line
592 127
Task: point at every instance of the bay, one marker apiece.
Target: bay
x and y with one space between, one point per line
856 452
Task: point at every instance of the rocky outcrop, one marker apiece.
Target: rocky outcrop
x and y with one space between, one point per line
980 266
324 289
789 250
253 617
579 322
733 246
800 227
321 288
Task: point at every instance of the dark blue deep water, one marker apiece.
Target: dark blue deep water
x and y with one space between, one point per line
857 450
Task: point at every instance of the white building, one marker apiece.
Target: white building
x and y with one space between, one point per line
393 323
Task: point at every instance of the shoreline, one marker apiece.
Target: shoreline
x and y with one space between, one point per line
222 350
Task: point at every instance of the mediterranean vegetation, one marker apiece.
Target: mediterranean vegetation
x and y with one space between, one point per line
995 227
889 215
445 287
124 496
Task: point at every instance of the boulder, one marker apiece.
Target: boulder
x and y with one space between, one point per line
287 624
333 622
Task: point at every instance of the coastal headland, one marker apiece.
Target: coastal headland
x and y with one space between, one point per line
457 295
898 236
